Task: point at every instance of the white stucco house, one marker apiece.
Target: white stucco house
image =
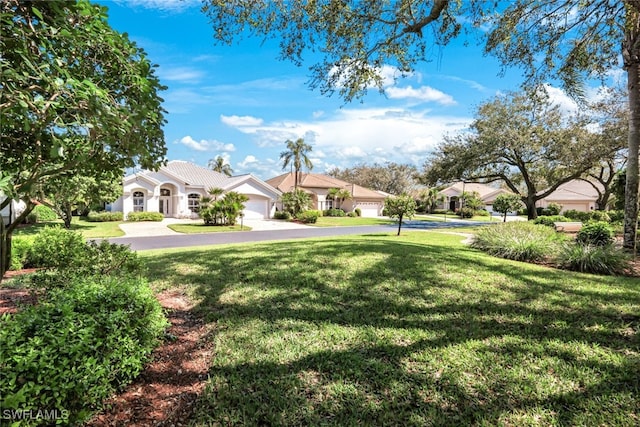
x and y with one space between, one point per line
175 190
576 194
452 195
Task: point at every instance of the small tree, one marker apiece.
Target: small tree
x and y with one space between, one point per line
430 197
296 201
506 203
400 207
472 200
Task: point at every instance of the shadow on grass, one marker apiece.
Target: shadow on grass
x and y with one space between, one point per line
443 336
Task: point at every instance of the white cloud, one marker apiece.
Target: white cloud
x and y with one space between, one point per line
180 74
365 134
423 93
560 98
240 121
248 161
206 145
164 5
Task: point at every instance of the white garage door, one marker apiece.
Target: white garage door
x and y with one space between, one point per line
255 208
581 207
369 209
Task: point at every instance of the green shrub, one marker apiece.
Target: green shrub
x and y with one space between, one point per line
518 240
41 213
282 215
577 215
145 216
56 247
334 212
20 248
588 258
597 233
352 215
308 217
466 213
482 212
599 216
78 346
616 216
553 209
549 220
67 255
358 212
105 216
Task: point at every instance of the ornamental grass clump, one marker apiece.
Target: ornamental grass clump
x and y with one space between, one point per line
592 258
520 241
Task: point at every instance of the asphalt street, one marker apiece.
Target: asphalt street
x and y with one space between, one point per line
186 240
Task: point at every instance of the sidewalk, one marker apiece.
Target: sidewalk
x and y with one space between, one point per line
153 228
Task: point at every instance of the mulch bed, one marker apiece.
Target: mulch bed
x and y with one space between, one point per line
165 392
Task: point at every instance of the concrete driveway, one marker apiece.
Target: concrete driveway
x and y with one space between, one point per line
159 228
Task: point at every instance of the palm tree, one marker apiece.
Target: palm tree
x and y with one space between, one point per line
296 155
431 197
339 195
218 164
215 192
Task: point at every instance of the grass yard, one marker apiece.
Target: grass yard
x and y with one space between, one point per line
89 230
335 221
201 228
412 330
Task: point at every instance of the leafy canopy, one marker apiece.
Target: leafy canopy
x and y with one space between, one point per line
524 141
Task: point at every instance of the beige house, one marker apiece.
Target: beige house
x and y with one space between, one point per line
577 194
175 191
453 194
369 202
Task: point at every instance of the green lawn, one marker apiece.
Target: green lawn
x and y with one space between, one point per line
410 330
89 230
334 221
201 228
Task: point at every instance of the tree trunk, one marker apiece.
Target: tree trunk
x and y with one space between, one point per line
66 209
6 233
504 219
631 188
5 249
530 203
399 224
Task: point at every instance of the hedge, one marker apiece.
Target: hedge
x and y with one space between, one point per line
144 216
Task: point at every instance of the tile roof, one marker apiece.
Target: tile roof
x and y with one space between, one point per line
285 183
193 174
576 189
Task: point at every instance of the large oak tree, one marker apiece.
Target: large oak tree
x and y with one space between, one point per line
564 39
77 98
523 140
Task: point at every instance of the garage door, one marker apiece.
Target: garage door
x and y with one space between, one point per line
581 207
369 209
255 208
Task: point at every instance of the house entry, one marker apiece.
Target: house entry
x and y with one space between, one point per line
165 202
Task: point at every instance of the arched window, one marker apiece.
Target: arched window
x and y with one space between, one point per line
165 192
138 201
193 201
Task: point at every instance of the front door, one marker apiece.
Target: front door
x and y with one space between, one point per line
165 206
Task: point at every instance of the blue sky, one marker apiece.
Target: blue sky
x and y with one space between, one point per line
242 103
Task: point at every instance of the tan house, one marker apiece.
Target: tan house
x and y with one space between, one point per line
369 202
577 195
175 190
453 194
